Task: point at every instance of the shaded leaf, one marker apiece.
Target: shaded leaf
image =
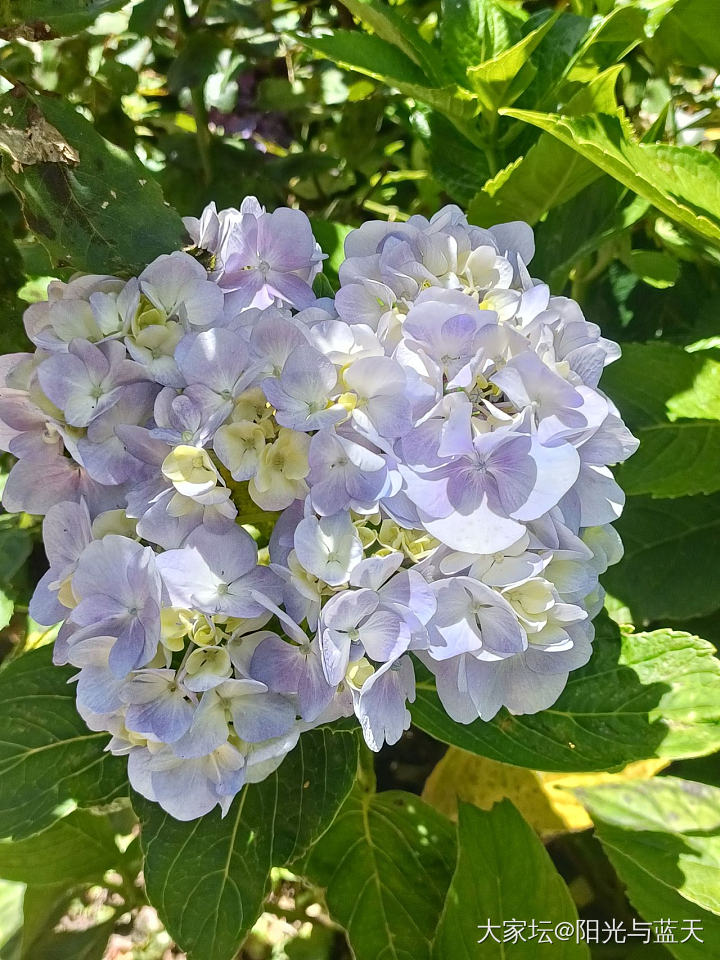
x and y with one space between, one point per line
671 569
386 863
207 878
503 873
60 16
79 847
641 695
50 763
86 211
671 400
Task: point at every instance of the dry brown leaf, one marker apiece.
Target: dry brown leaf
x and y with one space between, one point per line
41 142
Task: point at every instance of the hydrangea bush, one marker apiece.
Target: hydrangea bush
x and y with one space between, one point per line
265 508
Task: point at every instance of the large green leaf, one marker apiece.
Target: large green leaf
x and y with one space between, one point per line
386 864
671 568
93 206
682 182
663 838
79 847
500 81
503 874
50 763
390 25
207 878
671 401
44 18
550 173
640 696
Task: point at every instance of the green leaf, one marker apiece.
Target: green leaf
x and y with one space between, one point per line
682 182
7 606
11 900
654 267
671 568
690 34
550 173
50 763
79 847
43 910
386 865
640 696
382 61
517 881
608 42
15 547
663 838
472 31
577 228
671 400
197 59
207 878
457 164
391 26
500 81
93 206
60 16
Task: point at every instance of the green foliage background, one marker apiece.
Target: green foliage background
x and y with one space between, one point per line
598 123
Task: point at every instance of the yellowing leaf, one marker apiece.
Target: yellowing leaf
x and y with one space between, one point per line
545 800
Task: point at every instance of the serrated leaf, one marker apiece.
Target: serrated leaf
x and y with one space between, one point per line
207 878
671 400
50 763
386 865
92 205
391 26
682 182
517 881
500 81
671 568
62 17
641 695
79 847
663 838
550 173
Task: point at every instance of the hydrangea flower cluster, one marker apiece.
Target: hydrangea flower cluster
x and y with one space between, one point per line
262 508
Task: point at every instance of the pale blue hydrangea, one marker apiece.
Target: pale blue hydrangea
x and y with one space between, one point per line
261 508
